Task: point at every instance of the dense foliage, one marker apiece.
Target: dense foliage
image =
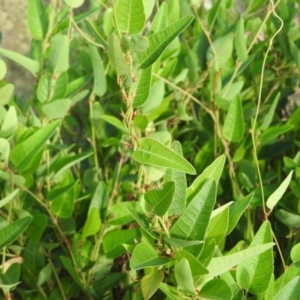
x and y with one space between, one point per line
158 156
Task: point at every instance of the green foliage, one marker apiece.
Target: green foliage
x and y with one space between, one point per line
158 157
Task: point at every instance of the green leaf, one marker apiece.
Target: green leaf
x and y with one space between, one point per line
222 48
213 171
291 291
22 154
151 282
272 133
92 224
193 222
115 122
179 243
234 126
144 256
4 149
254 275
93 31
183 275
44 275
216 289
269 116
60 53
37 227
277 195
148 7
8 198
220 265
160 21
141 87
37 19
29 64
44 88
236 210
160 200
66 261
178 203
287 218
57 109
6 93
143 221
10 123
154 153
241 41
159 41
130 16
116 56
170 291
12 231
98 71
113 241
74 3
3 69
295 253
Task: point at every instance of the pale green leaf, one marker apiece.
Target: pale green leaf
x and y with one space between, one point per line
59 86
6 93
141 87
216 289
160 200
93 31
277 195
241 41
8 198
12 231
159 41
289 219
254 275
116 56
148 7
60 53
22 154
37 19
179 243
74 3
291 291
98 70
130 16
115 122
295 252
234 127
44 88
3 69
154 153
151 282
193 222
4 149
145 256
92 224
139 44
220 265
160 21
44 275
170 291
184 278
269 116
10 123
57 109
29 64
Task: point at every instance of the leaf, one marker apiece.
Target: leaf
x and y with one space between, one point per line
160 200
3 69
92 29
74 3
115 122
269 116
222 48
220 265
27 63
234 127
148 7
213 171
22 154
287 218
216 289
113 241
60 53
4 149
10 123
254 275
179 243
37 19
44 275
193 222
159 41
130 16
291 291
98 71
44 88
37 227
160 21
240 41
66 261
154 153
236 210
6 93
141 87
144 256
272 133
295 253
57 109
277 195
170 291
116 56
92 224
183 275
178 203
12 231
151 282
8 198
